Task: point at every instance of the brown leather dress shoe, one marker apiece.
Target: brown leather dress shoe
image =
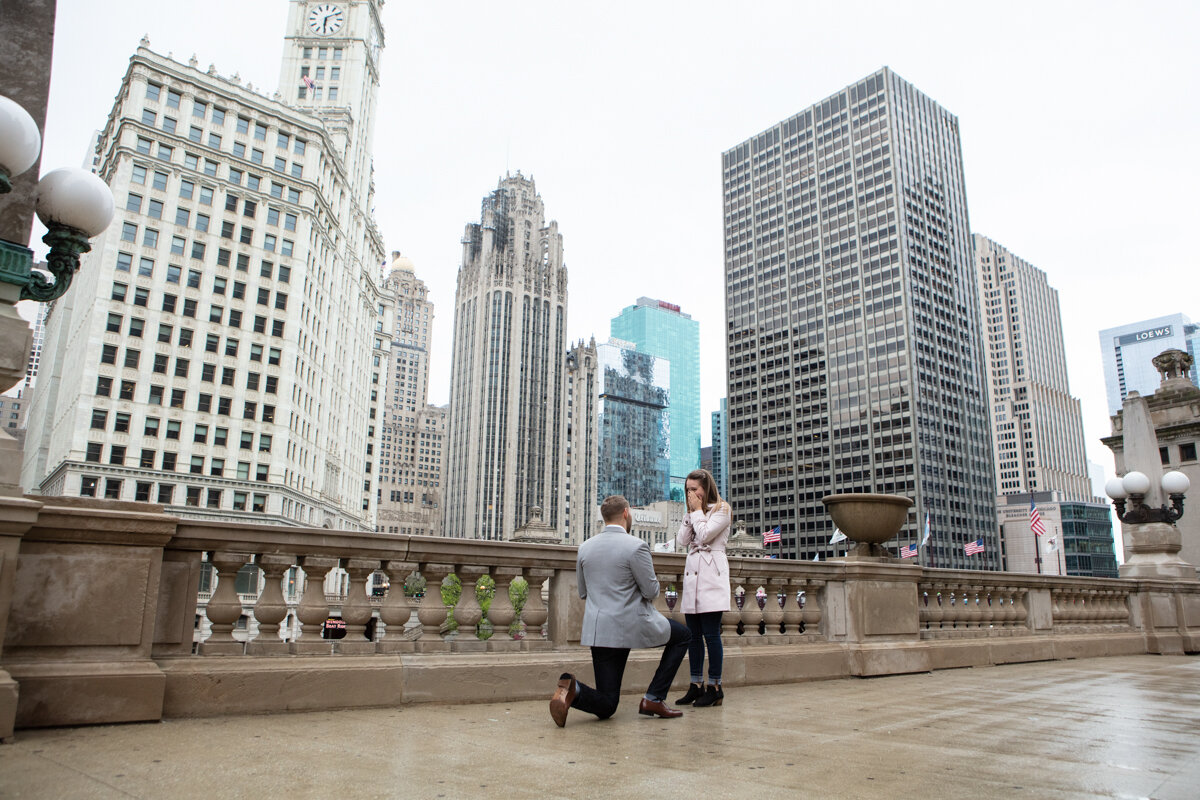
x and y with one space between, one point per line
657 708
560 701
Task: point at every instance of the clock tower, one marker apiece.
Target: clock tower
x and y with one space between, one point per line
331 70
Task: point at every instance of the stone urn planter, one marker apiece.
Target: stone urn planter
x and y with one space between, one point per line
868 520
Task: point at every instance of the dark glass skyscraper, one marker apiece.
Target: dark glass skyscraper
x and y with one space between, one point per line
634 422
855 354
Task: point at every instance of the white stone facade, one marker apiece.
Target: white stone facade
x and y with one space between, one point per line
214 354
1037 426
413 434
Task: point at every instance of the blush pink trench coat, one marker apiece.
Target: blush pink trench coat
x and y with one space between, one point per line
706 573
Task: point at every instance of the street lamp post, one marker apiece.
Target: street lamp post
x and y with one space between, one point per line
74 205
1154 540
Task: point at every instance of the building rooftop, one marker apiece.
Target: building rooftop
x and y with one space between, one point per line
1099 727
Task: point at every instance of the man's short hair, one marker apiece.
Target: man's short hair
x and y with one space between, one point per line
613 507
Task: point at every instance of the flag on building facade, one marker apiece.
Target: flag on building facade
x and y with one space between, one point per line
1035 519
971 548
838 536
771 536
817 557
1052 544
925 538
908 551
308 82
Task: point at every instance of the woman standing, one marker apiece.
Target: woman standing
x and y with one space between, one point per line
705 596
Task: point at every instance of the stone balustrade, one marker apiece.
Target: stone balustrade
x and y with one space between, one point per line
100 602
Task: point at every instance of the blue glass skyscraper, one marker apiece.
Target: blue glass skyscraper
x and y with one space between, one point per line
720 447
661 329
634 456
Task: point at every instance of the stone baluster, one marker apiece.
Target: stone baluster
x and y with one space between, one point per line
981 610
924 600
1002 607
432 611
660 601
1112 609
313 609
224 608
729 621
1122 600
975 602
396 610
356 609
467 611
752 613
812 606
773 612
1096 601
958 606
501 613
676 605
535 613
1057 613
793 614
271 609
1075 607
937 608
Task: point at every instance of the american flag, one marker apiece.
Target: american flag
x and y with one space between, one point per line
909 550
771 535
1035 519
308 82
971 548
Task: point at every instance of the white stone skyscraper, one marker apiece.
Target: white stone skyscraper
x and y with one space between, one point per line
508 394
412 440
1037 426
855 358
582 521
215 352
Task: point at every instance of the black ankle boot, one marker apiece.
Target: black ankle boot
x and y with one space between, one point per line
695 692
713 696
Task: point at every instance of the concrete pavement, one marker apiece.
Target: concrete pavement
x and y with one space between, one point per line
1102 727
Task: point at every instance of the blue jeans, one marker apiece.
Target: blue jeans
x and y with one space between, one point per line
608 664
706 630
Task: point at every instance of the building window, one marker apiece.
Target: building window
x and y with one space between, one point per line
166 491
87 485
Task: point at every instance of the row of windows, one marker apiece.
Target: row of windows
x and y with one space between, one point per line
169 461
141 298
245 234
242 126
144 490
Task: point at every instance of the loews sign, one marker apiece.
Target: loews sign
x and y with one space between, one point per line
1146 335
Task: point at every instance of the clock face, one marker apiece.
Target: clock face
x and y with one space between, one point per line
326 19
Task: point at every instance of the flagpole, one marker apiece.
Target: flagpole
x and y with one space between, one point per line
1037 549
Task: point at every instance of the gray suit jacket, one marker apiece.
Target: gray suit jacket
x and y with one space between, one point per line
616 578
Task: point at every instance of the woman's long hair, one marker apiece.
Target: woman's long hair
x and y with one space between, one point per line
712 497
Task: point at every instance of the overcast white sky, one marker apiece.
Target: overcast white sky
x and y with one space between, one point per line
1079 125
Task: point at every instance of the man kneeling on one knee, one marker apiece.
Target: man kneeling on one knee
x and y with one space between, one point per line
616 579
